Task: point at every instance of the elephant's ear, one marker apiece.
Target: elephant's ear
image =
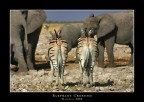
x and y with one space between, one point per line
106 25
34 20
24 13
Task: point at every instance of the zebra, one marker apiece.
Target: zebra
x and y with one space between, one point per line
86 53
57 53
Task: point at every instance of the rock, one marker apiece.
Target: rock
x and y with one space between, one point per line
32 72
129 90
130 76
66 73
111 88
101 88
55 87
78 89
97 89
21 79
44 58
24 90
88 85
66 87
40 72
28 77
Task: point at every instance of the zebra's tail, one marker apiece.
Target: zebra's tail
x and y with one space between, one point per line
59 60
86 55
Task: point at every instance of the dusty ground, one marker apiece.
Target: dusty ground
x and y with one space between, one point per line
119 79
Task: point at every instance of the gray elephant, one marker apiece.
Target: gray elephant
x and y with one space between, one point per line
25 30
71 33
111 28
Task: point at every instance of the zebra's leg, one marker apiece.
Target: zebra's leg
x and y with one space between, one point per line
62 75
91 76
81 73
87 75
85 80
57 75
51 72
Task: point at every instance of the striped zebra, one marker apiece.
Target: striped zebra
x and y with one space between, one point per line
86 53
57 53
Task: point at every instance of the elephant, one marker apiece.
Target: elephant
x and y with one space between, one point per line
25 30
71 33
111 28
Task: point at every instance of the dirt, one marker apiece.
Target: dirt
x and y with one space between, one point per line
119 79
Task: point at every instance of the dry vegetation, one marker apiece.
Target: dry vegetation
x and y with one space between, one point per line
119 79
54 26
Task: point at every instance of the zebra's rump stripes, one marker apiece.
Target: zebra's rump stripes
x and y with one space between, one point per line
86 53
57 53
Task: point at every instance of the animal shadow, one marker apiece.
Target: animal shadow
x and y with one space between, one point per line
121 65
71 84
42 66
108 83
117 65
71 61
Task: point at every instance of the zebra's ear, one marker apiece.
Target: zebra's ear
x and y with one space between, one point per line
95 37
53 35
59 33
83 32
57 36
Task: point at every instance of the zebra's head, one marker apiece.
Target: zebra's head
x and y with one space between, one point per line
87 33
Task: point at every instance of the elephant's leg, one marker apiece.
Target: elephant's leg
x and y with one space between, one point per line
130 63
101 48
29 61
109 44
20 55
12 53
33 40
30 52
14 63
27 55
69 47
13 56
